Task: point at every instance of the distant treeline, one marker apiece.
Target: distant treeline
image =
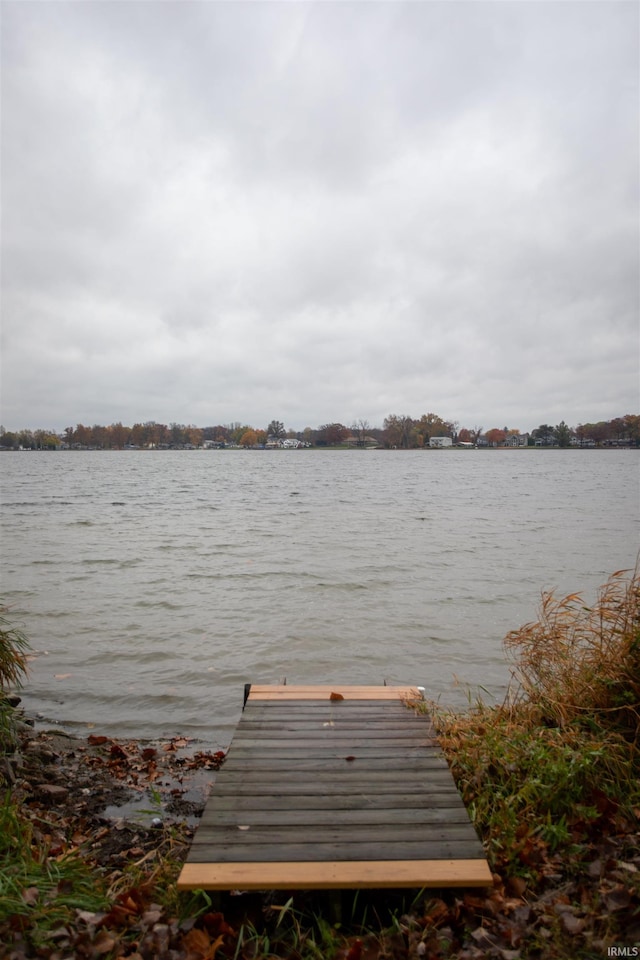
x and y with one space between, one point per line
402 432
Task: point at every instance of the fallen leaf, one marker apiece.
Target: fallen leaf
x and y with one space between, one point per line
437 912
197 942
483 938
571 924
200 946
103 943
336 696
617 899
516 886
152 915
215 946
88 917
355 952
216 924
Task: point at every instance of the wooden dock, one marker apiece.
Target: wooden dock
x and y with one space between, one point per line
334 788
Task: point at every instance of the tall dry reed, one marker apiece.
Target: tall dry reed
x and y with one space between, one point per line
579 662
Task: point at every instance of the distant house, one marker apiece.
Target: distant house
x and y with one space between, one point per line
440 442
517 440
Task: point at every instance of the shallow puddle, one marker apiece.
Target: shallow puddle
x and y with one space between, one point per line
171 802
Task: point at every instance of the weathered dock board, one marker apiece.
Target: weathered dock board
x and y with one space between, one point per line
334 788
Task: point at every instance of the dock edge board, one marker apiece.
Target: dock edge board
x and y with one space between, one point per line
335 875
258 691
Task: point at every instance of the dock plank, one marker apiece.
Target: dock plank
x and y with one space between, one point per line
292 834
322 787
257 762
334 786
334 875
347 801
292 852
215 817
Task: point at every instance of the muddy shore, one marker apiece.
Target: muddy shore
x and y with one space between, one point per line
121 793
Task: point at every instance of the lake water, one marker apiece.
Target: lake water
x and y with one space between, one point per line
154 585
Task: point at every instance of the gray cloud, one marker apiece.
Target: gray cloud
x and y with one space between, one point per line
218 212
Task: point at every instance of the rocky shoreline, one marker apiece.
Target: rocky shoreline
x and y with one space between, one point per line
118 792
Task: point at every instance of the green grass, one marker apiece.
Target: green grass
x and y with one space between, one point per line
529 786
40 892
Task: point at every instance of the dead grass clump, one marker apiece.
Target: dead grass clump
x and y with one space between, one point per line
580 663
13 653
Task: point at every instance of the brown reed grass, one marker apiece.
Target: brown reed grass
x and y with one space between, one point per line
582 663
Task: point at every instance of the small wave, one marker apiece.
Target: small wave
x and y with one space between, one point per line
100 561
134 655
342 586
52 614
159 605
48 502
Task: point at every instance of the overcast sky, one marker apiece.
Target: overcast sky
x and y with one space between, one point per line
318 212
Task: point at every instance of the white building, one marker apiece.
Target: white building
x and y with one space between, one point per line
440 442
